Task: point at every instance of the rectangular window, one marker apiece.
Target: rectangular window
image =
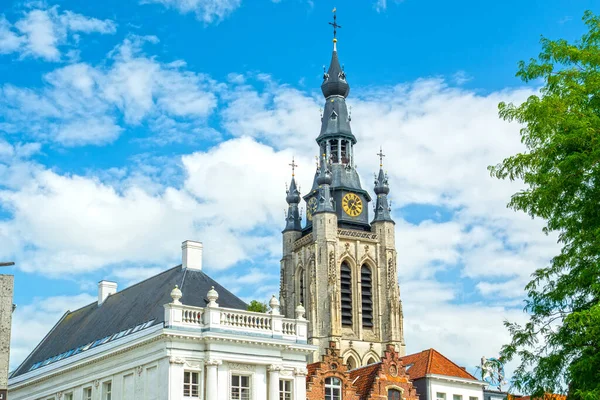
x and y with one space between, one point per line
473 398
107 391
240 387
68 396
440 396
87 393
457 397
190 384
285 389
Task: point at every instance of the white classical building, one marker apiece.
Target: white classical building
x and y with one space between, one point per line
175 336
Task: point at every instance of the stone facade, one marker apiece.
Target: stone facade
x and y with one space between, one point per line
310 273
6 305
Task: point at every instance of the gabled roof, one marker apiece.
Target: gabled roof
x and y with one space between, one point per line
364 377
135 305
432 362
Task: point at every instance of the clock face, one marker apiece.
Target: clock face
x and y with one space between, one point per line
311 207
352 205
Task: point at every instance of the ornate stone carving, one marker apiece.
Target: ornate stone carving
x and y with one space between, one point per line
213 363
357 234
300 371
274 368
139 370
332 274
96 383
241 367
177 360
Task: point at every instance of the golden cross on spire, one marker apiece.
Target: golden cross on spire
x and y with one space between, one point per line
381 155
293 165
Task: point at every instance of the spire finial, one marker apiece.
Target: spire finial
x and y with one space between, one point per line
293 165
381 155
335 26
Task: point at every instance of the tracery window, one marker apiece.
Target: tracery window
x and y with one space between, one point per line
367 296
346 294
301 287
333 389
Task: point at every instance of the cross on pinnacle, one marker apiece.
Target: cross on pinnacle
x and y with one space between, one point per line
381 155
293 165
334 24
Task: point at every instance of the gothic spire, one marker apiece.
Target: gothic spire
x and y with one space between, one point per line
293 220
324 199
382 188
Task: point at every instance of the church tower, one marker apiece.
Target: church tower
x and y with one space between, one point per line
339 266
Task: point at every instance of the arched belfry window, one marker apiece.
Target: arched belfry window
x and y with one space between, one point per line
346 292
333 389
367 296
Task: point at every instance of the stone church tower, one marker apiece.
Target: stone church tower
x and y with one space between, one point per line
339 266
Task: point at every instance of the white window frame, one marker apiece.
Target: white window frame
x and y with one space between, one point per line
473 398
87 390
69 396
283 392
191 385
440 396
107 390
248 375
332 386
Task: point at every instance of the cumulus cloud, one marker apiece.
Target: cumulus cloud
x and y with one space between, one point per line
41 32
81 104
208 11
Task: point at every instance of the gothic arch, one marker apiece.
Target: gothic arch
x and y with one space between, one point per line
300 285
370 358
351 359
367 259
349 260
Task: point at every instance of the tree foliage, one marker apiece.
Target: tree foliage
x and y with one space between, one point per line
559 347
257 306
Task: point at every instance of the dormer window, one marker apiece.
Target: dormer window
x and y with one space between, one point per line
334 115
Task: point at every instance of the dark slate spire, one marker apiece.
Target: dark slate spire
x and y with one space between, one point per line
336 120
293 220
382 189
324 199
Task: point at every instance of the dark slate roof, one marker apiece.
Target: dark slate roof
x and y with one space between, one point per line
125 309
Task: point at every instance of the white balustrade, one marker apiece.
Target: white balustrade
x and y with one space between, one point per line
227 319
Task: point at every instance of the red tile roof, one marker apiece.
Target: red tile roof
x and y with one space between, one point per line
432 362
365 376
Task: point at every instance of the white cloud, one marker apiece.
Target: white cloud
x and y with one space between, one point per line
208 11
31 322
41 32
81 104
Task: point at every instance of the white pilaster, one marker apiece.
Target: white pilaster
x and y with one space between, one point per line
274 382
212 378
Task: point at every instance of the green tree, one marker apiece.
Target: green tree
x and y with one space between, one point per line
559 347
257 306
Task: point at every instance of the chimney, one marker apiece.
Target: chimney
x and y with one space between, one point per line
191 257
105 289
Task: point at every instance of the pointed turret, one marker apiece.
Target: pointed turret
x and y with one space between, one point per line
324 199
293 220
382 189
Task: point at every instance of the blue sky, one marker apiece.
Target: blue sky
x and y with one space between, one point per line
130 126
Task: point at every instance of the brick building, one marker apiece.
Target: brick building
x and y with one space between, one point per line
330 378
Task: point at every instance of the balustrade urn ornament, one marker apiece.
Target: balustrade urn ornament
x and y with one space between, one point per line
274 304
212 297
176 295
300 311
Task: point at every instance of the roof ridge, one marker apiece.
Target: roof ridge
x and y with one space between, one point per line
365 366
429 359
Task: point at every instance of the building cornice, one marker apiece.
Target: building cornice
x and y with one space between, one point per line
456 379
